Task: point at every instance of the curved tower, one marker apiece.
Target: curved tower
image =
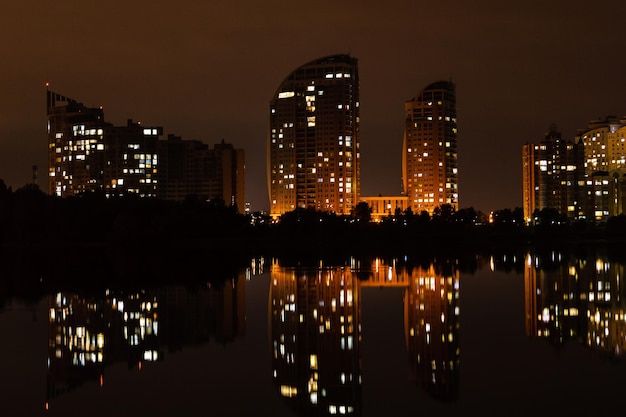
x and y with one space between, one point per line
429 149
313 138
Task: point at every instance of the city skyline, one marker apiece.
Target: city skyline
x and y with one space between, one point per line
208 71
88 153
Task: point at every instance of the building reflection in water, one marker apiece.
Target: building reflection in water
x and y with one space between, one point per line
315 335
87 334
315 322
432 320
580 300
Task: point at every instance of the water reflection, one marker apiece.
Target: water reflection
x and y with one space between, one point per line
577 299
432 321
316 334
316 331
315 322
89 333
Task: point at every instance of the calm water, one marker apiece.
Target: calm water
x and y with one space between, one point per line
515 337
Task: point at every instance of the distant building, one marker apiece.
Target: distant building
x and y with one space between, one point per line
429 150
131 159
385 205
583 178
229 175
85 153
604 143
191 168
313 139
529 174
184 169
552 171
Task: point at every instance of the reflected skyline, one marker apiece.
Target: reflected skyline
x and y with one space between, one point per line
316 333
315 324
581 300
88 334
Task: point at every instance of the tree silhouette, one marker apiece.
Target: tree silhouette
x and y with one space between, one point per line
362 212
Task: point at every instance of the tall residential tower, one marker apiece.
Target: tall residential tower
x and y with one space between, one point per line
429 149
551 173
313 138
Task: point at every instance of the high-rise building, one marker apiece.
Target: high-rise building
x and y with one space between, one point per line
429 149
191 168
228 173
529 173
183 168
583 178
552 171
604 145
86 153
604 142
74 165
313 138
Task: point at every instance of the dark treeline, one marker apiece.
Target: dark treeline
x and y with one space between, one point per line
29 217
462 234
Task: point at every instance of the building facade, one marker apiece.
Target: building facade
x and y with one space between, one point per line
583 178
385 205
313 140
184 168
604 142
429 149
552 171
86 153
192 168
529 191
228 171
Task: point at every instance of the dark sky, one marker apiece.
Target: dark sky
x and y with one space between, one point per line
207 70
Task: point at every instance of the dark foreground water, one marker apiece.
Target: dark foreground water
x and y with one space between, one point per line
505 337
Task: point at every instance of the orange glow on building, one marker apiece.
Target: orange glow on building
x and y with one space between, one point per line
313 156
429 149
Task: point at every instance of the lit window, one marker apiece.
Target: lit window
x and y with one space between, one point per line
286 94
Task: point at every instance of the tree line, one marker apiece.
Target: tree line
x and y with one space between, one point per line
28 216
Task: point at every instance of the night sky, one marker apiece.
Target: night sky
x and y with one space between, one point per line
207 70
